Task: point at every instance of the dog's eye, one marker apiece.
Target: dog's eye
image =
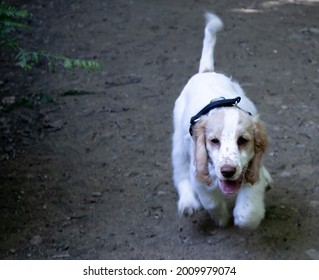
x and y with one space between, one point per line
215 141
242 141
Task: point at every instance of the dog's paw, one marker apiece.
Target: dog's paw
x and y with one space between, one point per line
221 221
248 218
220 215
188 205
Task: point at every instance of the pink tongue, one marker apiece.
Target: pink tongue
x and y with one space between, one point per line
229 187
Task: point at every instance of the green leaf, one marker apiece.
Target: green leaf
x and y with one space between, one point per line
68 64
12 19
9 11
35 57
51 66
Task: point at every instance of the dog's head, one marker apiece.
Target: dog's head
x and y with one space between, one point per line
229 143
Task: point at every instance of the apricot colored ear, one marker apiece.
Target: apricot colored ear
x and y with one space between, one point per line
201 155
260 146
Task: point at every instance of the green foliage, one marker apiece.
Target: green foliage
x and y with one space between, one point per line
11 20
27 59
28 101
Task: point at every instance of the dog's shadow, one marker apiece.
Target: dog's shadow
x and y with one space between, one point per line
207 226
279 236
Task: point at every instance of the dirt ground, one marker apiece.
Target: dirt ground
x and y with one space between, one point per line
85 157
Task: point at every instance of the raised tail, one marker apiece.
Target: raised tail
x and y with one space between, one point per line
213 25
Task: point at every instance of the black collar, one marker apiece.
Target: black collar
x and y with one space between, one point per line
215 103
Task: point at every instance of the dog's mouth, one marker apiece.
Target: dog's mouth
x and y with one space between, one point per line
230 186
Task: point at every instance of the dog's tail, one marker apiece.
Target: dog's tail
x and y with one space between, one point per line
213 25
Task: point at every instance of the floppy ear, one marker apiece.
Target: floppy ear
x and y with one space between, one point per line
260 146
201 156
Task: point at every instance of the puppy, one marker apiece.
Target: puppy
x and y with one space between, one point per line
218 144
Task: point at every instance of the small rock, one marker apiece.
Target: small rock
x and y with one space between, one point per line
314 204
54 125
36 240
313 254
285 174
96 194
301 146
61 256
67 223
9 100
311 30
161 193
13 251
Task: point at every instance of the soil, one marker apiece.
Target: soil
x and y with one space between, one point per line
85 157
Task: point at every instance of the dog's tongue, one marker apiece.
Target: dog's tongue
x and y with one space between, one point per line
229 187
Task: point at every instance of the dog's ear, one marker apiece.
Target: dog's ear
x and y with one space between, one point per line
260 146
201 155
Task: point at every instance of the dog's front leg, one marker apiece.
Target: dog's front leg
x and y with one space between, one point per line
212 200
250 206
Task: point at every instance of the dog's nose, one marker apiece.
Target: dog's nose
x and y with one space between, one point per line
228 171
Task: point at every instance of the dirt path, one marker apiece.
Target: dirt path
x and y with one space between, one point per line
86 173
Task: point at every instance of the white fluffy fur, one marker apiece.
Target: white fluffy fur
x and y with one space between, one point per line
227 125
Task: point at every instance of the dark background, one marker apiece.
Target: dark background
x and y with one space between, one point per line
85 170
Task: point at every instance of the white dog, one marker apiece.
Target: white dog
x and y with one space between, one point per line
218 144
